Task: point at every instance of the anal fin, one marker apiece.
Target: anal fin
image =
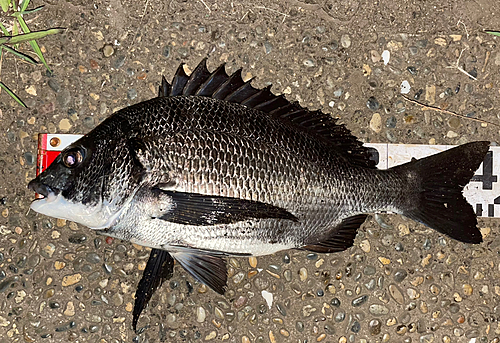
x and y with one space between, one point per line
205 266
341 237
159 268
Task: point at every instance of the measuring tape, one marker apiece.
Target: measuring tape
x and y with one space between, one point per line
483 192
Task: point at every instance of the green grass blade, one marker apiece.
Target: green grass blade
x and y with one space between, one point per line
33 43
24 5
494 33
20 54
4 30
31 11
5 5
12 94
28 36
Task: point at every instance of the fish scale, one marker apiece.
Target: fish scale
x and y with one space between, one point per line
215 167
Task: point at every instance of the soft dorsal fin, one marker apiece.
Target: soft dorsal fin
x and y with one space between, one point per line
219 85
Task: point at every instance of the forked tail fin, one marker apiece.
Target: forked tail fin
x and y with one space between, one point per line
439 202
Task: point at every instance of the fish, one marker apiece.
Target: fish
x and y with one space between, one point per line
213 167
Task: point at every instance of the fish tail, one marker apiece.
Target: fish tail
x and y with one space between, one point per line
438 182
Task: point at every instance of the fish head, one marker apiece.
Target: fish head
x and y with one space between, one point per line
88 183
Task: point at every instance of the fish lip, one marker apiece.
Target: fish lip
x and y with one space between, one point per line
41 189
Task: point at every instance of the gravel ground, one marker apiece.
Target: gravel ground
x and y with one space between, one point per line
401 282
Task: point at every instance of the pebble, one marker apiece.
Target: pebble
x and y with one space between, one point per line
308 310
200 314
396 294
238 277
299 326
454 122
58 265
69 280
345 41
378 309
371 284
359 300
386 56
340 316
374 327
412 293
268 47
63 98
365 245
372 103
467 289
29 158
54 85
108 50
132 93
78 238
48 250
369 270
303 274
117 299
253 261
430 94
309 63
376 123
355 327
400 275
65 125
375 56
272 339
119 61
405 87
428 338
93 258
69 311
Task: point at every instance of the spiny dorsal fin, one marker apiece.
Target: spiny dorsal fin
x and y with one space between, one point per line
232 88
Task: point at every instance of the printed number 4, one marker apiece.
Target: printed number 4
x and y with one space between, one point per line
487 179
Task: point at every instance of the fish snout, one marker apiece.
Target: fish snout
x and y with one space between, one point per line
40 188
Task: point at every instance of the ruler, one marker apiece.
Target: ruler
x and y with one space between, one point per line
483 192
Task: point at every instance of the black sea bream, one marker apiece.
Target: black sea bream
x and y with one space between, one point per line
214 167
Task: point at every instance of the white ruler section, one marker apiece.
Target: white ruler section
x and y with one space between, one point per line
483 192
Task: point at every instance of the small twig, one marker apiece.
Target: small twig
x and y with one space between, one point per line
145 8
244 15
208 8
437 109
465 27
457 66
140 24
270 9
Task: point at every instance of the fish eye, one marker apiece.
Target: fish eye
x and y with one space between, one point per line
72 158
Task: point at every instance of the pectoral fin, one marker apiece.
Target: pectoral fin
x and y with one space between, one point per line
207 267
199 209
159 268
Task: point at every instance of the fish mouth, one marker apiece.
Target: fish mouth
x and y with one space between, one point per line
43 191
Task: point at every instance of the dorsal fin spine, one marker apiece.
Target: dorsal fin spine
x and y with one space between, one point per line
218 85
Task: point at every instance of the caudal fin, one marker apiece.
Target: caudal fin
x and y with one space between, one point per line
439 202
